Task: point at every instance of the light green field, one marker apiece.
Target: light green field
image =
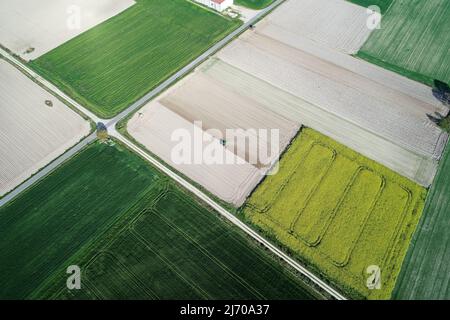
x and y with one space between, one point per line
414 40
426 271
253 4
112 65
134 234
338 212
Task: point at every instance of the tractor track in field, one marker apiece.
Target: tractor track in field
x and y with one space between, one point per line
111 125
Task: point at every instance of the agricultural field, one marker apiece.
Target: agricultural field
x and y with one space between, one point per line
291 107
112 65
253 4
383 4
426 270
334 24
123 238
413 41
202 98
394 115
158 129
32 133
188 253
33 28
339 213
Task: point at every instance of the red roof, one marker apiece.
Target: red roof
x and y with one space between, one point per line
218 1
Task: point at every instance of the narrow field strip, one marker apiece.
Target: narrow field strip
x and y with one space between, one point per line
356 215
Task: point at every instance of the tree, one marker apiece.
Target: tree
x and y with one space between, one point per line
102 132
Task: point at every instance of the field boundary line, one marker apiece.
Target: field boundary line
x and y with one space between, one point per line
207 253
316 186
233 219
54 90
169 264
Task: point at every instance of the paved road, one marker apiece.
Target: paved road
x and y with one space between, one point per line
111 123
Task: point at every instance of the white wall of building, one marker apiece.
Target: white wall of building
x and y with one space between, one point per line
216 6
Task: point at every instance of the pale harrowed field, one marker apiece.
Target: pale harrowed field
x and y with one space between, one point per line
46 24
32 134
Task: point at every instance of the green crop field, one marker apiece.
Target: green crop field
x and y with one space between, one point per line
170 247
253 4
426 270
134 234
383 4
414 40
338 212
112 65
47 224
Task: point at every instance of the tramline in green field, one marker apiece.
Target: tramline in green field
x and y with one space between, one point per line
338 212
414 40
134 234
112 65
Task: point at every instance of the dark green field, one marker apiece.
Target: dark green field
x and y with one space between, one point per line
253 4
112 65
426 269
173 248
134 234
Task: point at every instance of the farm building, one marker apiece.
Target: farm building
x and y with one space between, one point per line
218 5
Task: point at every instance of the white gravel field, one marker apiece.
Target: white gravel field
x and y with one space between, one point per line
32 134
46 24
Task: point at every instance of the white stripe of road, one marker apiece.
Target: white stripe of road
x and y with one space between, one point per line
111 125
